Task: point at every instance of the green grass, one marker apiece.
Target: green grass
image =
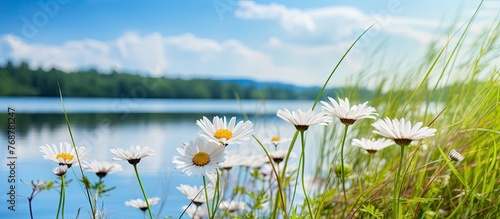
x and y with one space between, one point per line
466 114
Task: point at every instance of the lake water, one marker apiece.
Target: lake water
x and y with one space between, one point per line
102 124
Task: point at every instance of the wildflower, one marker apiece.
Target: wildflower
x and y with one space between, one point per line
346 113
60 170
132 155
196 194
221 132
455 155
403 134
267 170
141 204
232 206
279 155
276 140
101 168
232 159
302 120
372 145
401 131
195 212
65 155
199 157
254 161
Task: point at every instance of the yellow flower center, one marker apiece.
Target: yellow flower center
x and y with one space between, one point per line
64 156
223 133
275 138
201 159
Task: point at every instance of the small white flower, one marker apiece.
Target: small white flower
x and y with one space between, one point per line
276 140
221 132
401 131
455 155
346 113
65 154
196 194
132 155
60 170
232 206
267 170
195 212
141 204
372 145
101 168
254 161
279 155
232 159
302 120
199 157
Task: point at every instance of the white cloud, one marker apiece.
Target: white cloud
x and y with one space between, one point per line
129 51
339 22
288 18
313 42
141 53
189 42
186 55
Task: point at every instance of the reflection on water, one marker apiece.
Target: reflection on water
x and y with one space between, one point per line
100 132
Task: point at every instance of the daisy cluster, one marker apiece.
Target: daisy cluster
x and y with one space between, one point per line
400 131
206 155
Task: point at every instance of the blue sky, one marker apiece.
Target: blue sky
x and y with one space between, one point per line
289 41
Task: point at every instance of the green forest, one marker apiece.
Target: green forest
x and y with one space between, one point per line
21 80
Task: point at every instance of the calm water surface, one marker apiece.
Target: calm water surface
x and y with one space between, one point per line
102 124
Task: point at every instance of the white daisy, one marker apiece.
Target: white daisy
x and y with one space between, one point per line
132 155
196 194
279 155
276 140
101 168
254 161
372 145
65 154
232 159
195 212
267 170
221 132
141 204
455 155
199 157
60 170
401 131
302 120
346 113
232 206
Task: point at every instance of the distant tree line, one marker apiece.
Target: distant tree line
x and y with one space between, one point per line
21 80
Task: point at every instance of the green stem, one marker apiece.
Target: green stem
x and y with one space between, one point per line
283 172
278 181
142 189
209 212
396 184
290 148
342 170
96 195
61 199
74 147
303 168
